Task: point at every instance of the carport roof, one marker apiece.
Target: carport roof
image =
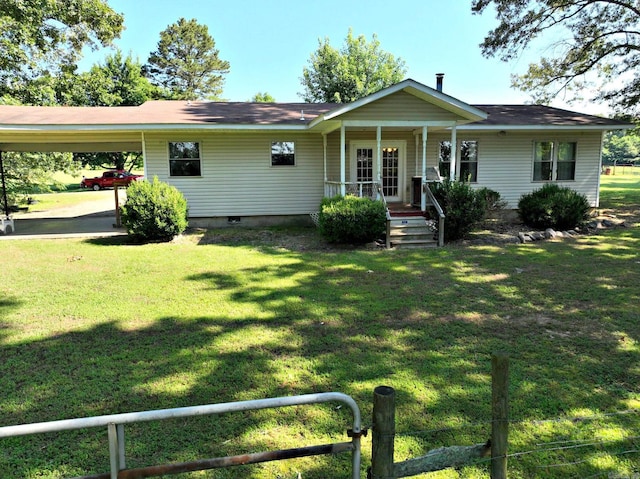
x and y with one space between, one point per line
165 113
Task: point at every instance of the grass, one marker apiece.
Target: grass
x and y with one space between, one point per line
91 327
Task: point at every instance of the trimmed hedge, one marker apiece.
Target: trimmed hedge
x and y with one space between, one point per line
351 220
154 211
553 206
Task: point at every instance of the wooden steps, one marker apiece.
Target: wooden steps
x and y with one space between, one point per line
411 232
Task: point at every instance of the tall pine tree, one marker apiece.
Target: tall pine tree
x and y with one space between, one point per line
186 62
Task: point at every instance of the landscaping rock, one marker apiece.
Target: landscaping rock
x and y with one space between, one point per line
504 232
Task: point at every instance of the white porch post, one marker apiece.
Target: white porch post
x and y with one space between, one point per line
343 161
324 160
416 138
454 153
423 194
379 152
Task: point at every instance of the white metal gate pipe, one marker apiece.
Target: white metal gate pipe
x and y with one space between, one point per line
160 414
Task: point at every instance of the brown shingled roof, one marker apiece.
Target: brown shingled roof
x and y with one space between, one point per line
167 112
540 115
262 114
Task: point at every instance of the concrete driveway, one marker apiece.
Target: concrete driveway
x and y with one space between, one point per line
90 219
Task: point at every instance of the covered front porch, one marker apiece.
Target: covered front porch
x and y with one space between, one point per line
393 162
384 158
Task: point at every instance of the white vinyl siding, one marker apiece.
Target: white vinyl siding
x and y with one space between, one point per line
238 180
401 106
505 163
237 177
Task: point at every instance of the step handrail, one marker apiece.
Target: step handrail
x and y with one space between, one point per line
439 210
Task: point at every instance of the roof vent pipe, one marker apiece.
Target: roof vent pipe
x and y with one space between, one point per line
439 77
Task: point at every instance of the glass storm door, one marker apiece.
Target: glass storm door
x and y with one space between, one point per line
365 163
391 173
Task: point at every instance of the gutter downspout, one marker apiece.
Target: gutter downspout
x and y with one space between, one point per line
379 154
343 161
423 183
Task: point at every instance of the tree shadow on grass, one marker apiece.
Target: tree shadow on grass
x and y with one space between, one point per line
424 323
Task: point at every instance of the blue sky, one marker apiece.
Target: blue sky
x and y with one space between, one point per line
268 42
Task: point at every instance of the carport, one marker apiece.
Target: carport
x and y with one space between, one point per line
39 129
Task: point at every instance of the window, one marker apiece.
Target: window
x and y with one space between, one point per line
554 161
364 165
566 161
468 168
184 158
283 153
469 161
444 158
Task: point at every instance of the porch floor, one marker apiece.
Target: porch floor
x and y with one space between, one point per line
397 209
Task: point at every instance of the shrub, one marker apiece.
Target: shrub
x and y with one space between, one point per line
154 211
351 220
492 199
553 206
463 207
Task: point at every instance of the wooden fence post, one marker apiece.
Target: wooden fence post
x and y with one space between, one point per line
500 415
383 434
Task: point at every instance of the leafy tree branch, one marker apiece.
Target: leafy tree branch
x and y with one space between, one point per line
597 40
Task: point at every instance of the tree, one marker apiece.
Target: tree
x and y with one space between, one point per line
357 70
595 40
39 37
186 62
619 146
263 98
117 82
28 173
40 43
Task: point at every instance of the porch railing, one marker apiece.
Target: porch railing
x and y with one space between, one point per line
374 190
441 216
362 189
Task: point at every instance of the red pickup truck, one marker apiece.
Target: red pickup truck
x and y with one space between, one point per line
108 178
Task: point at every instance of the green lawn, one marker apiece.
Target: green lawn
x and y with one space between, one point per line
91 327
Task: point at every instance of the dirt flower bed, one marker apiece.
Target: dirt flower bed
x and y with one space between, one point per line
500 229
505 226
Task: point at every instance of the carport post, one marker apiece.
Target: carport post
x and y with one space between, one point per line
115 189
4 188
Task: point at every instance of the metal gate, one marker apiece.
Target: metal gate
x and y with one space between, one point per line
115 427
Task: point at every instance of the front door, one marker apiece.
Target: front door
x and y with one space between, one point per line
391 173
365 164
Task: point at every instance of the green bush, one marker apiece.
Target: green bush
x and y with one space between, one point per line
553 206
154 211
492 199
463 207
351 220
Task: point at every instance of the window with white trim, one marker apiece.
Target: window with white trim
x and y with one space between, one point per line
184 158
554 160
283 153
469 161
468 167
444 158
